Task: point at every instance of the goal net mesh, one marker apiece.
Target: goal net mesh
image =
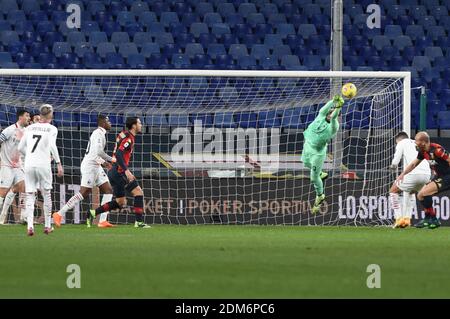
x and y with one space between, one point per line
225 149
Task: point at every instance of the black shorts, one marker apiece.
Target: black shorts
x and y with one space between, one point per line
442 182
120 184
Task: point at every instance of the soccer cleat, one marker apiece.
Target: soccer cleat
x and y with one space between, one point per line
141 225
30 232
319 200
434 223
90 219
57 218
105 224
323 176
398 223
423 223
48 230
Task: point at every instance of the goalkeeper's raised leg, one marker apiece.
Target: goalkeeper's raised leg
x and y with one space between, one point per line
317 136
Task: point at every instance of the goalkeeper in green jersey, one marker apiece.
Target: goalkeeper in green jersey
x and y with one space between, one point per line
317 136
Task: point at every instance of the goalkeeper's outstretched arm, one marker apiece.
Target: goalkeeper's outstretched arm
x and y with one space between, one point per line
326 108
339 101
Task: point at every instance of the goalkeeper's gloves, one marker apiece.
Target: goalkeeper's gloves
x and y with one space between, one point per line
338 101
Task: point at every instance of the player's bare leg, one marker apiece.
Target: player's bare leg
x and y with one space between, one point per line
425 197
75 199
107 196
47 195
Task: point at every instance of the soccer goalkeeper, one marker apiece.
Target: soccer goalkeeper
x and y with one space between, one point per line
317 136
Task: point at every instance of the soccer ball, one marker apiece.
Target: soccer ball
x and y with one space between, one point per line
349 90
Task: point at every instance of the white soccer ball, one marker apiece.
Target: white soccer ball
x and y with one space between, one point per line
349 90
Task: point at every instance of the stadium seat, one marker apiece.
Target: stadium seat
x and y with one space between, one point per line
291 119
146 18
259 51
138 7
219 29
197 28
118 38
178 120
305 30
256 18
421 62
435 32
203 8
216 49
125 49
104 48
8 37
247 62
414 31
381 41
393 31
433 52
246 119
169 17
225 9
224 120
290 62
402 41
273 40
150 48
61 47
76 37
268 119
237 50
281 51
285 28
245 9
8 6
269 9
444 120
16 16
212 18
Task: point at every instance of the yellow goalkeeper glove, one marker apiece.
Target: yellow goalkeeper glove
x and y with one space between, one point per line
338 101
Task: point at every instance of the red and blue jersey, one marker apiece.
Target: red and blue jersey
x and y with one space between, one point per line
123 150
437 156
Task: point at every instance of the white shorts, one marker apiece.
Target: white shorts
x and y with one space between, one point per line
37 178
10 176
93 176
413 182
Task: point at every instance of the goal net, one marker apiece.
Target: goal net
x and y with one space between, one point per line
224 147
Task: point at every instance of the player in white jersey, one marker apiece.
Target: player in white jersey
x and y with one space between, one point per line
92 173
39 147
11 170
412 183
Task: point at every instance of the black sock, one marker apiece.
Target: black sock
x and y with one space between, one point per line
138 207
107 207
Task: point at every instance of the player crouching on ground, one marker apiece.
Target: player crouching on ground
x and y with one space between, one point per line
92 173
439 160
412 183
317 136
122 180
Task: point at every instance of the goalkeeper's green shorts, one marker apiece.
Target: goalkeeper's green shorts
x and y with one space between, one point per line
312 158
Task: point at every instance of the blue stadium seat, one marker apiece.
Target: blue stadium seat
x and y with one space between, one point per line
197 28
159 7
395 10
219 29
189 18
203 8
312 61
180 61
118 38
417 11
276 18
5 26
183 39
440 11
126 49
76 37
285 29
212 18
104 48
8 6
155 120
237 50
205 119
225 9
111 27
433 53
421 62
16 16
133 28
170 48
273 40
388 52
215 49
281 51
223 60
61 47
147 17
306 30
269 9
290 62
114 61
90 26
125 17
269 119
245 9
426 21
200 60
206 38
247 62
150 48
95 6
224 120
169 17
259 51
393 31
81 48
414 31
97 37
181 8
179 120
291 119
194 48
138 7
155 28
5 57
255 18
444 120
380 41
246 119
8 37
435 32
402 41
311 10
228 40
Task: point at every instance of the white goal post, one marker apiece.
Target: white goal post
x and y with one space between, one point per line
224 146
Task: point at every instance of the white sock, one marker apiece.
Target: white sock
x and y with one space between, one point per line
30 209
409 202
2 217
8 202
105 199
395 205
47 195
71 203
23 211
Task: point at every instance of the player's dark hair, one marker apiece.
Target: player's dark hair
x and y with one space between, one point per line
21 112
401 135
131 121
101 118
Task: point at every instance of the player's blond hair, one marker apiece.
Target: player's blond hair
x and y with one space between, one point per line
46 110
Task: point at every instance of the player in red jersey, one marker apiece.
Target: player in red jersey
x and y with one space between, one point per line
439 160
121 178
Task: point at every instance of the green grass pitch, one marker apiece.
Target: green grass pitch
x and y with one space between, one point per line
225 262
